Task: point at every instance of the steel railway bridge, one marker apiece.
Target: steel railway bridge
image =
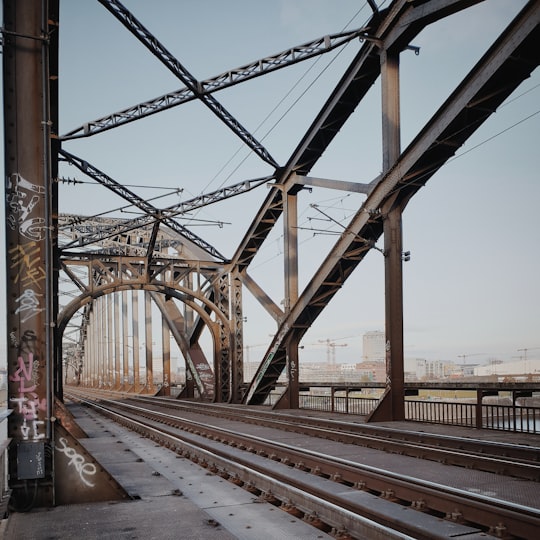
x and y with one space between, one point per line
107 264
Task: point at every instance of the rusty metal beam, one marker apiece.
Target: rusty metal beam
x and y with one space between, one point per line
391 29
509 61
159 50
196 363
224 80
29 247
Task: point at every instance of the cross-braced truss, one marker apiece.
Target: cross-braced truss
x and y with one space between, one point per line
156 254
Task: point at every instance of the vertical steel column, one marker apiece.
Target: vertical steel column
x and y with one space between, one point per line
104 340
84 367
88 356
189 390
135 342
166 349
222 352
95 345
99 341
125 349
29 268
290 233
149 387
96 332
394 312
392 406
92 349
237 346
116 384
110 340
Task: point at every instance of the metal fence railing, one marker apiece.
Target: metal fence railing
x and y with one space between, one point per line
441 412
341 404
521 419
518 417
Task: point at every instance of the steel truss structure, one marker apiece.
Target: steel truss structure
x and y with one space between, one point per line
192 284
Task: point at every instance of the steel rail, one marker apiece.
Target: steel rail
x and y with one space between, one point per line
519 461
486 512
293 500
469 453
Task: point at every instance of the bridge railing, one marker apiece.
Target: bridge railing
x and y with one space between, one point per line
510 408
341 404
516 418
441 412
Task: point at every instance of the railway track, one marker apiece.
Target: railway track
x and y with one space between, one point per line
336 494
518 461
513 460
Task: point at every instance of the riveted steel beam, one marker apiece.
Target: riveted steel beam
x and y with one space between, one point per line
159 50
509 61
224 80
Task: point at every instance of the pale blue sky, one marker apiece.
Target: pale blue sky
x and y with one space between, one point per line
471 285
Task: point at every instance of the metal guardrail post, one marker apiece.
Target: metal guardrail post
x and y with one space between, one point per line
479 395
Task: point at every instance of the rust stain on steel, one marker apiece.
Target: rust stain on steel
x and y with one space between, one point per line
64 416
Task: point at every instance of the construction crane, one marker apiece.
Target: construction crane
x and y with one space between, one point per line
525 354
465 356
527 349
331 350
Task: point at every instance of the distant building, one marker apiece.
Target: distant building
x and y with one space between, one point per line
523 366
373 347
430 370
371 371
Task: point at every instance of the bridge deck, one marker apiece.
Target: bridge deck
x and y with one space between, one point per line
173 495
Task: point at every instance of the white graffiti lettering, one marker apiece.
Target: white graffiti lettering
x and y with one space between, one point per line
22 197
29 304
30 430
13 339
29 407
78 461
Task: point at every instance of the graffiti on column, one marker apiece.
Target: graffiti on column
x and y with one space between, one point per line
26 265
22 197
26 401
24 200
28 304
